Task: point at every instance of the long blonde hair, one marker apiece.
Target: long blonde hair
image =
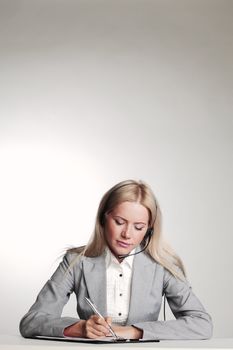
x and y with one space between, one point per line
158 249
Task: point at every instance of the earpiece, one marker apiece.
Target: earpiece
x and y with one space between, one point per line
149 233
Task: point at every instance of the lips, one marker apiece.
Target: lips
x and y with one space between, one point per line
123 244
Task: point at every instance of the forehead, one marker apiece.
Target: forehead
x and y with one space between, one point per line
131 211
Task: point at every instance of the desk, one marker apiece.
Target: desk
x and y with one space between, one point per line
16 342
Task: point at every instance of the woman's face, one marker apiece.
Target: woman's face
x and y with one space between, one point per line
125 227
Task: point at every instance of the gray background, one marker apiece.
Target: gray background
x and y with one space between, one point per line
95 92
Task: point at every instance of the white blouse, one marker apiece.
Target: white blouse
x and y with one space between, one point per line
119 277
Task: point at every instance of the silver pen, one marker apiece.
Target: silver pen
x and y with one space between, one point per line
93 307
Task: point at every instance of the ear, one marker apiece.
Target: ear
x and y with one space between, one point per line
103 218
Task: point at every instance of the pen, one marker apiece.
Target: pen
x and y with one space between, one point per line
93 307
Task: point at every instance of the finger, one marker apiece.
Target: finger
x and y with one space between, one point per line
96 320
108 320
102 329
94 333
98 329
99 320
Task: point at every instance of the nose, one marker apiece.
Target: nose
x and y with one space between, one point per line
126 232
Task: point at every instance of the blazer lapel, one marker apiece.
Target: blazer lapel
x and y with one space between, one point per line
95 278
143 268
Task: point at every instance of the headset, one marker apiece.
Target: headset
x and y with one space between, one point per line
149 233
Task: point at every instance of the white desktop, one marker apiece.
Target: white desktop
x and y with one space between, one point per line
16 342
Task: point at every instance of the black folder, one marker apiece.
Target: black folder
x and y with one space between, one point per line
107 340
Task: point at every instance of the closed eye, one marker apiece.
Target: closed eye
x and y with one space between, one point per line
118 222
139 228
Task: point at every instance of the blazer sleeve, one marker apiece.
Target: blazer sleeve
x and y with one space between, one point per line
44 317
192 321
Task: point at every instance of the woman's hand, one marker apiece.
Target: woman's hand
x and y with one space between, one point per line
94 327
128 332
97 327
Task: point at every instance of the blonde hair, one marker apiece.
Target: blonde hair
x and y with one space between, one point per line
158 249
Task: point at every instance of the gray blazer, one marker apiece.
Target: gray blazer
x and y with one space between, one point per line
87 277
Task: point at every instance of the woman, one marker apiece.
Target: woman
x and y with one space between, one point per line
125 270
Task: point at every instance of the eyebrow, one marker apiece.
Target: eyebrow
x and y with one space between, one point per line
138 222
